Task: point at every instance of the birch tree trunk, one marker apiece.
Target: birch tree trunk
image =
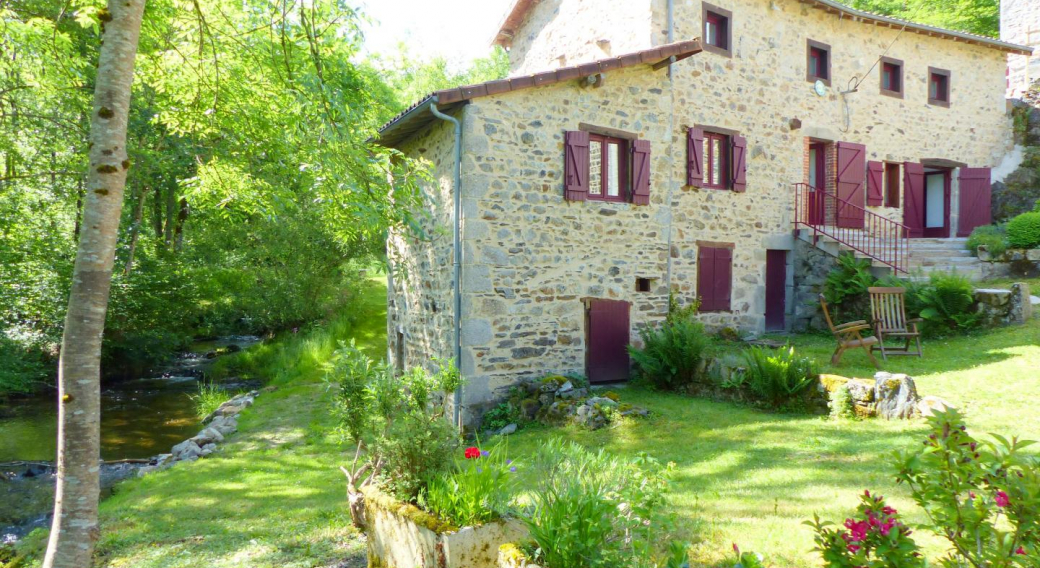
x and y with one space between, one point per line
75 527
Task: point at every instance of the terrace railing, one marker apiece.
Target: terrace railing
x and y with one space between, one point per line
825 214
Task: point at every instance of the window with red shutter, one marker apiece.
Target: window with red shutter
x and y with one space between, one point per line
714 277
576 165
641 172
738 159
695 156
716 160
875 185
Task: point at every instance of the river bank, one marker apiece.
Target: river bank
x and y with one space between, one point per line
141 418
272 496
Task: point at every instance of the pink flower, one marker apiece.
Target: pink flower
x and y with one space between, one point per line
854 548
1002 499
888 511
1021 551
736 548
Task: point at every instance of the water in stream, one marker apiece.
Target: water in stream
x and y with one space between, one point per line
140 418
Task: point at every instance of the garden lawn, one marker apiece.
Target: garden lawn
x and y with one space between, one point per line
751 477
271 497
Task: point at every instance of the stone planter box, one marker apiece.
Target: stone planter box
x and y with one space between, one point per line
403 536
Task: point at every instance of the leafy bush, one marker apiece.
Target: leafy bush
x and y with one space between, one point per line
501 415
778 376
983 498
399 426
478 489
846 286
672 355
840 403
1024 230
993 236
21 368
593 510
946 303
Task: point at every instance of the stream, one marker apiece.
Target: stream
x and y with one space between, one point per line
140 418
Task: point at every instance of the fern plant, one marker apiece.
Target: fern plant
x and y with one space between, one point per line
948 302
778 376
846 286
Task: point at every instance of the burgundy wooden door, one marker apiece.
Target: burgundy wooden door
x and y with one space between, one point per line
852 176
913 199
974 202
606 326
776 289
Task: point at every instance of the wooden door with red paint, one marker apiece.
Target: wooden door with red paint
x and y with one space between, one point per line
852 177
975 199
607 332
776 289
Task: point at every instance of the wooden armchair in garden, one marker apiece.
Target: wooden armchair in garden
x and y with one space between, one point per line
848 336
888 311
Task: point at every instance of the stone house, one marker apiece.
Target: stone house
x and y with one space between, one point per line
1020 23
618 164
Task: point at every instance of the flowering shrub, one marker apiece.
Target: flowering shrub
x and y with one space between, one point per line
982 497
873 538
479 488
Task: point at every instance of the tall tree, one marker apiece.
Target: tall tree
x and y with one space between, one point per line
75 527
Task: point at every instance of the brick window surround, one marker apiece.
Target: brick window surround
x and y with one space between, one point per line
891 77
817 62
939 87
717 24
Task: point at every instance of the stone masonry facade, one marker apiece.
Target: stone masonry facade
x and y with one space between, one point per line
1020 23
532 258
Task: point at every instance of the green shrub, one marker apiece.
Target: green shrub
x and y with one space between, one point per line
22 367
209 397
840 403
778 376
672 355
501 415
593 510
993 236
946 303
479 488
845 288
1024 231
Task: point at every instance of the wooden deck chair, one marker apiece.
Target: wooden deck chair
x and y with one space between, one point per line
849 337
888 310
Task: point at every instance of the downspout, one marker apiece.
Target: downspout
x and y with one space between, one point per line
671 137
457 242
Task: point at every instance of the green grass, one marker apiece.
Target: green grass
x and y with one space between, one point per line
751 477
273 495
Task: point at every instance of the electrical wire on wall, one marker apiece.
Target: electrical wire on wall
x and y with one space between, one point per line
858 79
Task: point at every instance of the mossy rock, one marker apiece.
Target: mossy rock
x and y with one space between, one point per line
612 396
624 407
557 380
832 383
375 499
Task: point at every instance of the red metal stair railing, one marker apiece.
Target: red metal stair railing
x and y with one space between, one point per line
852 226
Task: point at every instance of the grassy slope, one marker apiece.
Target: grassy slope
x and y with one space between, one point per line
273 496
751 477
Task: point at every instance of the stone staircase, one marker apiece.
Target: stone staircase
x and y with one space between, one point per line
926 256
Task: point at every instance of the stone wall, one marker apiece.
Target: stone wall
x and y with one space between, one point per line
1020 23
560 33
811 266
420 322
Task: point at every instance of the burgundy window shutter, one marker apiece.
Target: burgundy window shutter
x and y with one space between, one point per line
641 172
738 161
695 156
706 278
576 165
913 198
723 278
875 187
976 195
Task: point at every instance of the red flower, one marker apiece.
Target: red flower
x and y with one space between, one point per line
1021 551
854 548
472 453
1002 499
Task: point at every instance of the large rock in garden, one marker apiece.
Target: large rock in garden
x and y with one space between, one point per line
896 396
1021 304
929 405
186 450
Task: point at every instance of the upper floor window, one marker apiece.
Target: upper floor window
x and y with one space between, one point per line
891 77
608 168
818 62
717 29
938 87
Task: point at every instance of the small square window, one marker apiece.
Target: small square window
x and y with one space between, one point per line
938 87
608 168
891 77
642 284
717 30
818 62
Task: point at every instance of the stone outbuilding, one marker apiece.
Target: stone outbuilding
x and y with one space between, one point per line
645 147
